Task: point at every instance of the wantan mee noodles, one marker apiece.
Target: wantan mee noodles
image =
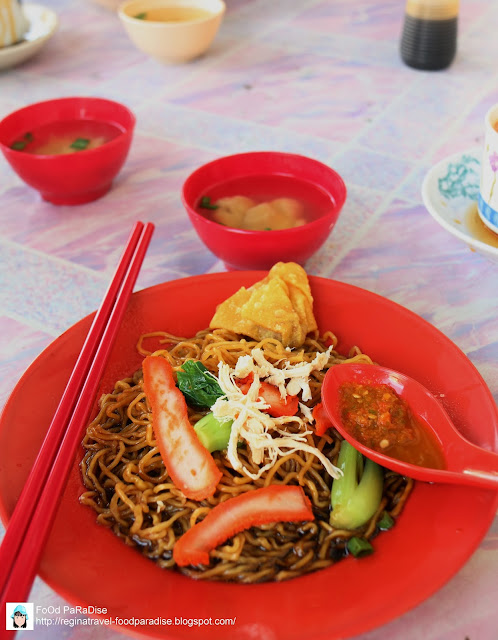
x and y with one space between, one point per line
129 487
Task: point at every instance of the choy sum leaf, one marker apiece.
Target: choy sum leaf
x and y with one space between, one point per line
199 386
356 495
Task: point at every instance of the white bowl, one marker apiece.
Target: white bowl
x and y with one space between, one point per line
43 24
450 191
172 41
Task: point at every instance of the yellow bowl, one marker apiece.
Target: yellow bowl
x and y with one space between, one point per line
172 31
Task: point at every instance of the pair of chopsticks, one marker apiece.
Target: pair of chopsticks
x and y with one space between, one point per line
31 521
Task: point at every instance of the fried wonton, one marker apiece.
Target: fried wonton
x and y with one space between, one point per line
279 306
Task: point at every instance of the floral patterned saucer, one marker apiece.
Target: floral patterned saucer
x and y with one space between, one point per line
450 191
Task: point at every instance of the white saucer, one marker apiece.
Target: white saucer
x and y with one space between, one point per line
43 24
449 191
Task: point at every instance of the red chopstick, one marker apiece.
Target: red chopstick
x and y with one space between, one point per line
30 524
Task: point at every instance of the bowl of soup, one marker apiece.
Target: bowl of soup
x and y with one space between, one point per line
255 209
68 149
172 31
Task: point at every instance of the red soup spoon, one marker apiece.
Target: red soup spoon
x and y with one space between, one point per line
461 462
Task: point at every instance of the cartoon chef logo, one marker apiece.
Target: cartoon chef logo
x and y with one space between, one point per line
19 616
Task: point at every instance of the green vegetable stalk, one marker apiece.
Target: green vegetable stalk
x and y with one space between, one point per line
358 547
356 495
214 434
201 389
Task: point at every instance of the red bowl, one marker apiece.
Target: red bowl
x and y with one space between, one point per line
242 249
69 178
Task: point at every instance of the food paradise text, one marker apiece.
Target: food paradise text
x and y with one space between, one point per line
123 622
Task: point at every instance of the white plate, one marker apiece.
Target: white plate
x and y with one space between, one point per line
449 191
43 24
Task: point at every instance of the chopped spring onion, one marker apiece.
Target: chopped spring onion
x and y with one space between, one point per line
356 495
386 522
80 144
359 547
206 203
141 16
214 434
18 145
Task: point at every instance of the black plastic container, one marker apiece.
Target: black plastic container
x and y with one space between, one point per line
429 38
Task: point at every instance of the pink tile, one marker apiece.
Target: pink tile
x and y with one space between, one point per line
309 94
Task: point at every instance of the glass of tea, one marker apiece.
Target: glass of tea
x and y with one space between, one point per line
487 200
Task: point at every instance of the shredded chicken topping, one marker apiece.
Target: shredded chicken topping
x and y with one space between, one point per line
266 436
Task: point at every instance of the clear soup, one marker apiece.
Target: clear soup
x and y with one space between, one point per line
173 14
66 136
313 202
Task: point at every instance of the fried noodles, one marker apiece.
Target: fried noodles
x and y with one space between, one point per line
129 488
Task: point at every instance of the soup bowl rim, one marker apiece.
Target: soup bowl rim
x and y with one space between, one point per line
124 129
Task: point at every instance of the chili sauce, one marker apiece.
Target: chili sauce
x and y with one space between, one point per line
376 416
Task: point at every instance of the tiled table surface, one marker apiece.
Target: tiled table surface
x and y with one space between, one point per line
320 78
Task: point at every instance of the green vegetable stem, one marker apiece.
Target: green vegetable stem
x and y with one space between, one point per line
199 386
214 434
356 495
386 522
359 547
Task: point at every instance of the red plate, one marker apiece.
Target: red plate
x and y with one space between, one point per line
432 539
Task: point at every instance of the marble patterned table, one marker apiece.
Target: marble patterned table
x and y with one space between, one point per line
321 78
